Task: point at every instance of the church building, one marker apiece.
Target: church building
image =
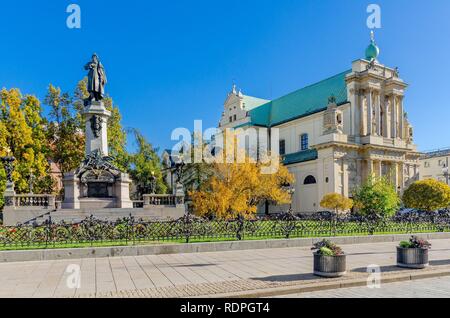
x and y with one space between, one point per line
336 133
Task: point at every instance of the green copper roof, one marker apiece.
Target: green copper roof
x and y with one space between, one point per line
251 102
306 101
302 156
372 52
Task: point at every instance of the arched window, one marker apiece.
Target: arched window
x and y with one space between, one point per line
310 180
304 142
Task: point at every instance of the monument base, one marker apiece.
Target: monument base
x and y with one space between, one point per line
79 195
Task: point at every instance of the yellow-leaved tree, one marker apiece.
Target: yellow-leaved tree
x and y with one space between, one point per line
428 195
236 189
336 202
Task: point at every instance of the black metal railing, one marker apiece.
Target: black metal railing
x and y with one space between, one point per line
194 229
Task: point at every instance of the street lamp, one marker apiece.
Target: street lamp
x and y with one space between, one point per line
153 182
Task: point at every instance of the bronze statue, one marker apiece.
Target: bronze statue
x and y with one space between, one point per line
96 79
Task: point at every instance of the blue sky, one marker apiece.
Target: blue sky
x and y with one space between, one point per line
171 62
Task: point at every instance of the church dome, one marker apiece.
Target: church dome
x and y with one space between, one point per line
372 50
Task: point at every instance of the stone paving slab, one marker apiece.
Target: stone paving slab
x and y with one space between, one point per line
438 287
203 274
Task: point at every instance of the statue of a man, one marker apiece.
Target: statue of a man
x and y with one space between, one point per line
96 79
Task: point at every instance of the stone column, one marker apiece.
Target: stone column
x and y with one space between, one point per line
387 118
359 172
369 113
345 178
377 106
394 116
369 171
402 117
380 168
362 114
401 174
394 169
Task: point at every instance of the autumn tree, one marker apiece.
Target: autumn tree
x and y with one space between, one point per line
427 195
3 152
377 197
336 202
236 189
23 128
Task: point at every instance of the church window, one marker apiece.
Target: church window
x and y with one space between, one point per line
310 180
234 117
231 119
282 147
304 142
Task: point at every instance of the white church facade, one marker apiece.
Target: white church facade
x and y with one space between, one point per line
335 133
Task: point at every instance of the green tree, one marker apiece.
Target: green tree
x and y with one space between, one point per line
144 164
377 198
428 195
117 136
195 174
64 131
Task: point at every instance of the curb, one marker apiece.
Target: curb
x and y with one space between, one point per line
356 282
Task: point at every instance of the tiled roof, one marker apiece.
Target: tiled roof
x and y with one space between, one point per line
303 102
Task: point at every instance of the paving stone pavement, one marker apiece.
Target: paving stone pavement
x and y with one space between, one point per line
198 274
425 288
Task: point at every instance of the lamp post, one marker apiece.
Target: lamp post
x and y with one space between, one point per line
291 192
153 183
8 165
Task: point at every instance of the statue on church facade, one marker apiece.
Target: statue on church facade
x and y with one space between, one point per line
96 79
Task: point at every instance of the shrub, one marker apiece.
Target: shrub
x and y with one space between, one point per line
327 248
428 195
326 251
377 198
336 202
415 242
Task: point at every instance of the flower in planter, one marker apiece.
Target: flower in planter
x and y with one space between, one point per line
327 248
415 242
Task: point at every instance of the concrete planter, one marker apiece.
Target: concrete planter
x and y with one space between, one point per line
330 266
412 257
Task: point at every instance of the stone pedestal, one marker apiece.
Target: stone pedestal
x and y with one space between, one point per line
9 195
71 191
75 194
96 118
122 191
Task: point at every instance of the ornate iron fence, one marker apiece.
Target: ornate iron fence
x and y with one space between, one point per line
193 229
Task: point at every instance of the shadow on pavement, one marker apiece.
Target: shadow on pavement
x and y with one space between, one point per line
287 278
384 269
440 262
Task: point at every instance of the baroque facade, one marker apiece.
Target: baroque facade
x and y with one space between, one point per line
336 133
